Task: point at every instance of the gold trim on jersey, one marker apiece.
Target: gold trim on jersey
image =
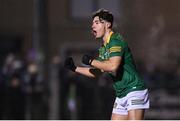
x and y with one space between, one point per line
108 38
115 49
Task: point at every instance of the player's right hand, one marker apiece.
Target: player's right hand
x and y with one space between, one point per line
69 64
87 59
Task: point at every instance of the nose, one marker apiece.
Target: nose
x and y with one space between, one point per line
92 26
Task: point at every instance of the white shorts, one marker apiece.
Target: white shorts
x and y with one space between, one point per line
133 100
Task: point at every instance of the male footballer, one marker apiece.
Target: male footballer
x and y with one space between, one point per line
116 59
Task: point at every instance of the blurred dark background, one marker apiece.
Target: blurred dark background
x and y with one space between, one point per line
37 35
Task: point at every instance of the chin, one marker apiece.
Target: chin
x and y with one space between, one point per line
98 37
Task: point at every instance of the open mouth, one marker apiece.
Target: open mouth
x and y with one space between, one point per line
94 32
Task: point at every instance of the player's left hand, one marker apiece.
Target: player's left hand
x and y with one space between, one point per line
87 59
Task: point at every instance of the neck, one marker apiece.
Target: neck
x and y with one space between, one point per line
106 35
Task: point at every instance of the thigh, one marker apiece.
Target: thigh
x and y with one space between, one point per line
118 117
136 114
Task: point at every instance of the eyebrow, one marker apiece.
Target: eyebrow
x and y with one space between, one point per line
96 20
101 21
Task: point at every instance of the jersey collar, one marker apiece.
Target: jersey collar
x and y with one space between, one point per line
108 38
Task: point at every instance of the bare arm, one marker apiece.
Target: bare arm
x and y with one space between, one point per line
87 71
110 65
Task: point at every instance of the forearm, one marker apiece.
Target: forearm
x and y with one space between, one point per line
108 65
93 73
104 65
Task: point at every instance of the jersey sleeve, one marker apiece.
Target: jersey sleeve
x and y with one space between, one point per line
116 47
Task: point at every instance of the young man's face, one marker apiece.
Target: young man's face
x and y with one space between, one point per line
98 27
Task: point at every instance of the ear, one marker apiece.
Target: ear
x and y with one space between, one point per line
108 24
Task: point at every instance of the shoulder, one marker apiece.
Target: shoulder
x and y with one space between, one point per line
117 36
117 39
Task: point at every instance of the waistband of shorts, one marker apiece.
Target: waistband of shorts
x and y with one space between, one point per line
131 90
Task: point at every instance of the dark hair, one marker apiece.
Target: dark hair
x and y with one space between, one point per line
104 15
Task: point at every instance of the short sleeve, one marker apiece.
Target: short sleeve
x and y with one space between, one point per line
116 47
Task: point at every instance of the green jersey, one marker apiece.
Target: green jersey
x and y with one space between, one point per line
126 79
